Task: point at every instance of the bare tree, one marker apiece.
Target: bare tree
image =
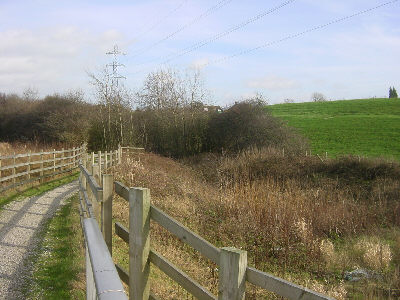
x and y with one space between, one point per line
112 99
30 94
318 97
170 102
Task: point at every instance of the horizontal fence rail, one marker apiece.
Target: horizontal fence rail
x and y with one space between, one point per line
20 169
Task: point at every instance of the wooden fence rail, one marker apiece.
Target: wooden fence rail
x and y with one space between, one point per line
20 169
232 263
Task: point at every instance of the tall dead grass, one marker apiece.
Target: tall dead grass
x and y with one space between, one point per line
284 210
25 147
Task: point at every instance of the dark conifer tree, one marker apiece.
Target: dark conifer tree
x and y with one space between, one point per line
394 93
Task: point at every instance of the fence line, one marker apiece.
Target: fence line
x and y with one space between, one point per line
20 169
95 194
232 263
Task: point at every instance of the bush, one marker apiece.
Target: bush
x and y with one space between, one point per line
56 118
248 124
175 133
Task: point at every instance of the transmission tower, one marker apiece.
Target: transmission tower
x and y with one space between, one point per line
114 65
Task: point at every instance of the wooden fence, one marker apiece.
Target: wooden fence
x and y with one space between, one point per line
96 200
19 169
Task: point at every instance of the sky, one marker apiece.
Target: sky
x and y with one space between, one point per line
240 48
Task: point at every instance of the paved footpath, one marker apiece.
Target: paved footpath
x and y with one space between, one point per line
20 223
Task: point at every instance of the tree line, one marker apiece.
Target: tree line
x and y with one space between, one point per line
168 115
171 117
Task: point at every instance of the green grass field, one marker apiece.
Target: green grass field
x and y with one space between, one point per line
367 127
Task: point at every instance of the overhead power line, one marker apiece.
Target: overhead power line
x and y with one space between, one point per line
180 29
156 24
227 32
292 36
221 34
296 35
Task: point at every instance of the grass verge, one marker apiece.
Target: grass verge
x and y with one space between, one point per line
59 263
36 190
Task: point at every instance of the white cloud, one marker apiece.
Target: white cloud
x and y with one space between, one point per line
272 82
51 59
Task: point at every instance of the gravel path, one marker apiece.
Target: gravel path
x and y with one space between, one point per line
20 223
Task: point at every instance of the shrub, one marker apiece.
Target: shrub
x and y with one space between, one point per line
248 124
56 118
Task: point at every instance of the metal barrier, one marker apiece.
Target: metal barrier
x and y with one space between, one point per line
102 280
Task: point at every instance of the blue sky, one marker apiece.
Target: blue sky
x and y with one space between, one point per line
49 46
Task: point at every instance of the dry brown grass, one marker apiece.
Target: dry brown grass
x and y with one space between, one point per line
289 213
25 147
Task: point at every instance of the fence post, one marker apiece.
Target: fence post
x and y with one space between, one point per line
41 167
92 158
62 159
85 159
116 157
106 210
54 160
111 158
14 169
88 189
105 160
29 165
73 157
96 205
139 243
119 153
232 274
99 162
0 165
83 180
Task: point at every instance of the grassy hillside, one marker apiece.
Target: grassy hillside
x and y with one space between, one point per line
369 127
